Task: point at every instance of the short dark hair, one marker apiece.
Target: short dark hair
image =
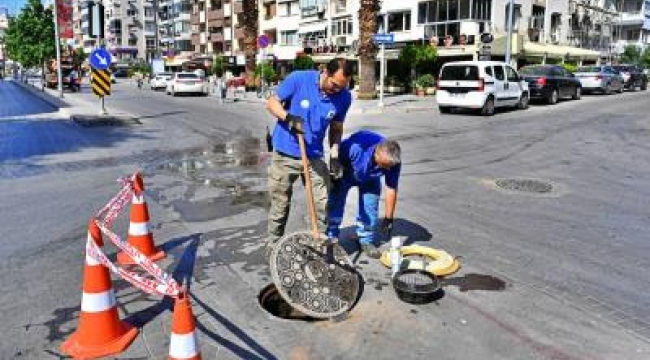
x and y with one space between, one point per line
337 64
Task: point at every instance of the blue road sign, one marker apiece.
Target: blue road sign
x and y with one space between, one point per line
383 38
100 59
263 41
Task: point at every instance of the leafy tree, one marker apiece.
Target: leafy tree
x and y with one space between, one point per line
645 57
570 67
631 55
269 72
218 66
303 62
79 56
30 36
418 58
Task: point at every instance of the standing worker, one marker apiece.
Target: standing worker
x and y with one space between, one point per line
365 157
306 102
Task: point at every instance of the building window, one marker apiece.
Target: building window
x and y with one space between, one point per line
131 12
148 12
289 37
482 9
339 6
342 26
151 43
133 42
400 21
150 26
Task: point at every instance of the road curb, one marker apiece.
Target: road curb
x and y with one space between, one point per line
43 95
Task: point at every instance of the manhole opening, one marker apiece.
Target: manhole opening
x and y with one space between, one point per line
271 301
525 185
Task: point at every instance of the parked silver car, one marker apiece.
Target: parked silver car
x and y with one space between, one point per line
600 78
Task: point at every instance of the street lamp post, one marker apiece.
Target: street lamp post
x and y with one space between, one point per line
509 40
57 45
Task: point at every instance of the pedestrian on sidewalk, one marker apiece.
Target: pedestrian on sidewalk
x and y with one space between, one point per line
307 102
365 157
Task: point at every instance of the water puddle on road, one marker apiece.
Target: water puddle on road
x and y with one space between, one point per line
236 170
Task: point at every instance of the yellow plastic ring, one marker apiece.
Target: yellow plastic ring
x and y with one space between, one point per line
441 262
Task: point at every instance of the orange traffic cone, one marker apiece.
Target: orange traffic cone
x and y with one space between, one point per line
140 235
100 331
183 344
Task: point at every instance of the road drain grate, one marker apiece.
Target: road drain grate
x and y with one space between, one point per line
524 185
99 120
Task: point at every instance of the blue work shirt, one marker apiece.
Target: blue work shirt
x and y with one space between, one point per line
356 154
301 88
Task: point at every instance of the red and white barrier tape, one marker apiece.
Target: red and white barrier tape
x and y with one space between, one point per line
163 283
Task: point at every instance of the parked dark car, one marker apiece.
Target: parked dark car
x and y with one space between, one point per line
551 83
633 76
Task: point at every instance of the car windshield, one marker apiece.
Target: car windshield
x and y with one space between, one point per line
594 69
535 70
621 68
460 72
187 76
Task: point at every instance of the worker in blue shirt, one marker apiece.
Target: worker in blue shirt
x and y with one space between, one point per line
365 158
307 102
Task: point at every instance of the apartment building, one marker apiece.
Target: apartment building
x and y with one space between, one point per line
215 30
632 25
544 30
4 24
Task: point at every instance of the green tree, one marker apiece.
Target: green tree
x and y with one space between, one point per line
631 55
269 72
79 56
30 36
645 58
418 58
218 67
303 62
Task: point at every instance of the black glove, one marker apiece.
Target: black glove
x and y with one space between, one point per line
336 169
386 225
295 123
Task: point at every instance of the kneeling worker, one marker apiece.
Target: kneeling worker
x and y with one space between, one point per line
364 158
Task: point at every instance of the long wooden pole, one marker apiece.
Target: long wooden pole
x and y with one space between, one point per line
310 192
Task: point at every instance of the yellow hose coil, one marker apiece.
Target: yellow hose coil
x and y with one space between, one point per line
440 264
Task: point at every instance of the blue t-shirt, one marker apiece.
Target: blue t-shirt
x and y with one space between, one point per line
301 91
356 154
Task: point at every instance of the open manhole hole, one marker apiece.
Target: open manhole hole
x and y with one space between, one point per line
104 120
271 301
525 185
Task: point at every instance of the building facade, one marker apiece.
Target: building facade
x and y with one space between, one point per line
632 25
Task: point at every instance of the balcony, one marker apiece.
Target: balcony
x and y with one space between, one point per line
630 19
194 19
239 7
216 38
215 15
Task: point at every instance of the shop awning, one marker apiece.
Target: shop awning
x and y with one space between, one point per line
558 51
312 27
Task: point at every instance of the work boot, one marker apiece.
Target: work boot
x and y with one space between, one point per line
371 251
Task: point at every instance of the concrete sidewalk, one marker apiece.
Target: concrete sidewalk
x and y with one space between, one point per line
71 104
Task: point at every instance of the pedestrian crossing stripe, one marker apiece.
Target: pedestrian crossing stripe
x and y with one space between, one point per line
101 82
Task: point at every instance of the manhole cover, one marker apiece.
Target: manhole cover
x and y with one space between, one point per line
525 185
100 120
318 281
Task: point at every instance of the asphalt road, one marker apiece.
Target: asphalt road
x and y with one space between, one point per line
559 274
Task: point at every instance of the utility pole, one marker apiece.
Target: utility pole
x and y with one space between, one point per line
511 12
57 45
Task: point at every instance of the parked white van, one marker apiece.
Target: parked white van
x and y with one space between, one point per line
483 85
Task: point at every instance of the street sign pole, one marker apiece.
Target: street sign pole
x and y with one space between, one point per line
511 6
382 70
57 46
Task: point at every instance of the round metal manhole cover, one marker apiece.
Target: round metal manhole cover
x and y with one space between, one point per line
317 280
525 185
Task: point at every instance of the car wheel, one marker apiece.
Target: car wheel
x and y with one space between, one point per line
621 89
173 92
553 97
488 107
644 86
607 90
524 100
444 109
577 94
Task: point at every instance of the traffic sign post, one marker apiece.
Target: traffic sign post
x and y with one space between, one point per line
101 80
263 41
382 40
100 59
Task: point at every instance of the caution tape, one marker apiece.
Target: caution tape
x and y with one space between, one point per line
162 283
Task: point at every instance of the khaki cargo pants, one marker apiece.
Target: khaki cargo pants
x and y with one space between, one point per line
283 172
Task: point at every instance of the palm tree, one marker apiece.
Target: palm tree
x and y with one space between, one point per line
368 26
249 17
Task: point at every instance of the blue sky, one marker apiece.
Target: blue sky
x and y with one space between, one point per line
14 6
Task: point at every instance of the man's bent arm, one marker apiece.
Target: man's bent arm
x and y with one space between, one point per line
335 133
391 201
274 106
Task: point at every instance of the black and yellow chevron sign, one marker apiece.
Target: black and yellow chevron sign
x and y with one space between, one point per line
101 80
